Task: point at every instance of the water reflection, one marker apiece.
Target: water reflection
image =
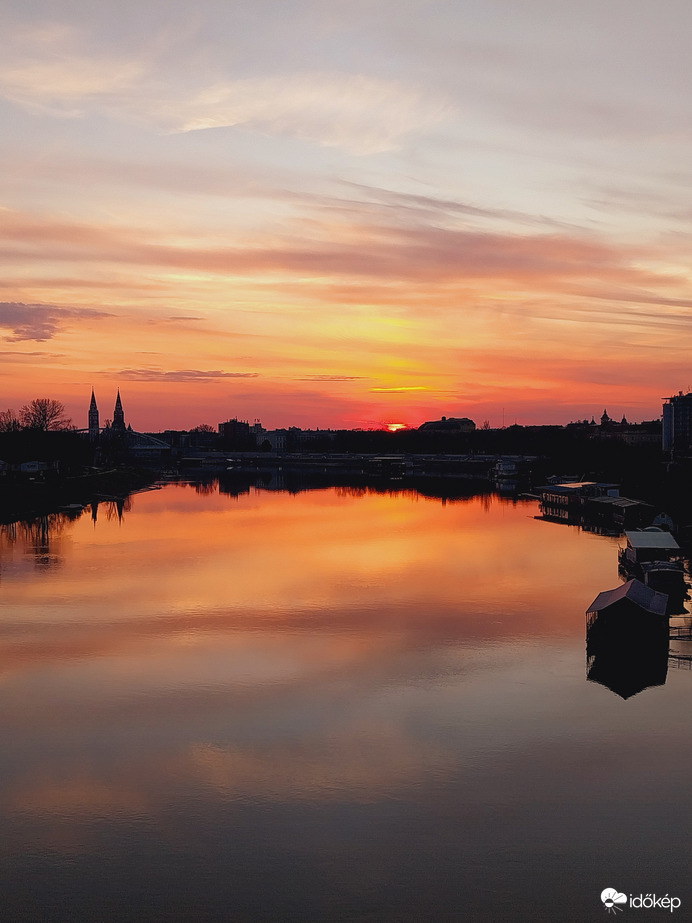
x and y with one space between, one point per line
371 700
628 660
115 509
38 538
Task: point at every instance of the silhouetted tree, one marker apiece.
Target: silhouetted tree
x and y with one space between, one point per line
9 422
44 414
203 428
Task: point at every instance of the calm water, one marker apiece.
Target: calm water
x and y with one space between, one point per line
325 706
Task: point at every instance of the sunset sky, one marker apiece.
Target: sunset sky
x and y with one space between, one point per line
346 213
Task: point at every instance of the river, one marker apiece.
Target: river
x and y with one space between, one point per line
338 704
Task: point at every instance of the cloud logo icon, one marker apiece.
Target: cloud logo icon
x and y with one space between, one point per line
611 898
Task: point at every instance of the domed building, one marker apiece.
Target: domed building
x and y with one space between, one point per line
449 425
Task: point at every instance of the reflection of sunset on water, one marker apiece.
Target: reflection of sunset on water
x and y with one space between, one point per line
210 663
275 555
352 567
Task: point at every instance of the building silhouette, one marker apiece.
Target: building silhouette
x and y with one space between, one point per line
627 639
677 424
121 438
93 417
448 425
118 424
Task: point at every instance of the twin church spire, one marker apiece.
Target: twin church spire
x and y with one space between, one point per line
118 415
93 417
118 424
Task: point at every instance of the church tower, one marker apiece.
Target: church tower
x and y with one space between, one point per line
93 417
118 415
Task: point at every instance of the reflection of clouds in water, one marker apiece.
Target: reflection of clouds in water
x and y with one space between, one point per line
83 794
274 588
306 711
216 650
350 734
365 762
324 556
359 764
284 647
464 733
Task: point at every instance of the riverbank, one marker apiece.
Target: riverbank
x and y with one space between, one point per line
25 498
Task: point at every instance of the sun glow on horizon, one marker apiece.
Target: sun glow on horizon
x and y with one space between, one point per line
265 238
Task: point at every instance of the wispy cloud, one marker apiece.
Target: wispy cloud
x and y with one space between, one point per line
186 375
44 68
15 355
414 271
40 321
48 70
331 378
404 388
435 208
363 114
381 189
411 254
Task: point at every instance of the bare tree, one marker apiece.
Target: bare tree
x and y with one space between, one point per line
203 428
9 422
44 414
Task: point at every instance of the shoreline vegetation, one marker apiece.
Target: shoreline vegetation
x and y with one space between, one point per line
43 470
27 499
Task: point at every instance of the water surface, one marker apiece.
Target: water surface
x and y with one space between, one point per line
331 705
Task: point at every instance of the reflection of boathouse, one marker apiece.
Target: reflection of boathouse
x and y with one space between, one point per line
627 639
565 502
593 505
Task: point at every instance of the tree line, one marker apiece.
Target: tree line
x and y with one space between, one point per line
43 414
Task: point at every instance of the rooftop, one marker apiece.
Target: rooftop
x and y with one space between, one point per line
636 592
648 538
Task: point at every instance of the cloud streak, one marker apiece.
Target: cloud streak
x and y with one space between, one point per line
48 71
331 378
184 375
362 114
403 388
436 256
361 194
40 321
45 69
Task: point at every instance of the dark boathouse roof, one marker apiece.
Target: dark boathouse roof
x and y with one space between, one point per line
634 591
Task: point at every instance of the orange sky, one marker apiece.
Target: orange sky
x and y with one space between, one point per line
345 215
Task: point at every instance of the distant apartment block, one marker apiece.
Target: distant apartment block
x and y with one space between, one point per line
234 429
677 424
275 439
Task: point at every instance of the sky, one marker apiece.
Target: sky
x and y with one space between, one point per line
346 214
